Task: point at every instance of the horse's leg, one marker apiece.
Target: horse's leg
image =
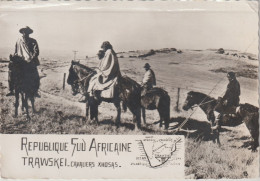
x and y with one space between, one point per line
96 113
144 115
93 110
136 116
87 109
211 117
161 117
32 102
16 104
22 101
167 115
26 106
118 108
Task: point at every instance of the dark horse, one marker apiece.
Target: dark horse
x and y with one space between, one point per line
206 103
244 113
23 77
159 99
127 91
209 105
249 114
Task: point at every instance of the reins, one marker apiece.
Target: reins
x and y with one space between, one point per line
80 80
202 104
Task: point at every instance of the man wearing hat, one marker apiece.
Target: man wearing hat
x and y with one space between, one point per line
26 48
149 79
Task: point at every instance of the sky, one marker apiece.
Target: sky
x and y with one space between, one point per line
62 27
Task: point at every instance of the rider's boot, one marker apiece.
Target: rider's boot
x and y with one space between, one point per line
218 121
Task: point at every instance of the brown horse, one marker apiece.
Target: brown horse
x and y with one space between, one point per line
23 77
157 98
127 91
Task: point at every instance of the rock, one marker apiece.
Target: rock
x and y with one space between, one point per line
179 51
151 52
221 51
251 58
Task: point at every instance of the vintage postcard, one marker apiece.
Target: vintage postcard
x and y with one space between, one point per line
129 90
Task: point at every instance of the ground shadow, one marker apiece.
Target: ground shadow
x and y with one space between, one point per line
112 123
246 144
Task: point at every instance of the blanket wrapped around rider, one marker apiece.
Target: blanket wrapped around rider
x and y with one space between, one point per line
107 76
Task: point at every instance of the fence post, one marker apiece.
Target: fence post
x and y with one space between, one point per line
177 102
64 77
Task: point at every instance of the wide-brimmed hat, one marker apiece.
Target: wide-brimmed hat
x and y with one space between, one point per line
147 65
26 29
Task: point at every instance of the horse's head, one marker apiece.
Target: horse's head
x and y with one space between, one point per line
73 77
190 101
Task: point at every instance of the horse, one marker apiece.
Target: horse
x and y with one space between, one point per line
206 103
24 83
249 114
243 113
126 91
157 98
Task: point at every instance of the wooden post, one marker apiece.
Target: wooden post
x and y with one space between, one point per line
64 77
177 103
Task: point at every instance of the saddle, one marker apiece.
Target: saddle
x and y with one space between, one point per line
152 91
225 108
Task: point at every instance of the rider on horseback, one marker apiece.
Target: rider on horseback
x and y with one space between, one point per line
103 83
149 79
232 94
26 48
231 98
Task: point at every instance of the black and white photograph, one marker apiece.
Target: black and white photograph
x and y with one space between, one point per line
176 81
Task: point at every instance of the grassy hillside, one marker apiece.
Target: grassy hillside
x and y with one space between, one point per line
58 112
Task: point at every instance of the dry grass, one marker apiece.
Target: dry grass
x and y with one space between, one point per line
207 160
